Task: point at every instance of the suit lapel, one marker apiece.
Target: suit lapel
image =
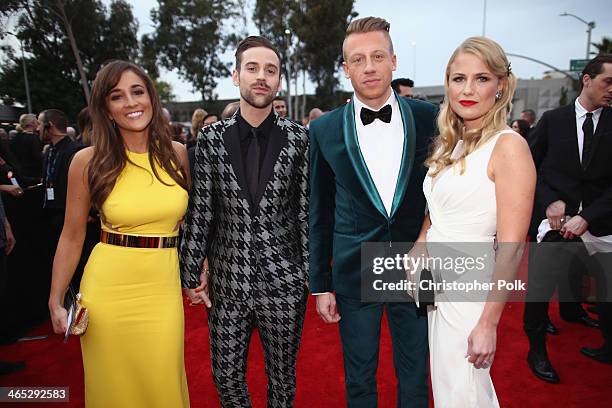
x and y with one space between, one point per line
361 169
570 123
277 141
407 155
601 128
231 138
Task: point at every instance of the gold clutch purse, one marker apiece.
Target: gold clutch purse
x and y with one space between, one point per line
78 316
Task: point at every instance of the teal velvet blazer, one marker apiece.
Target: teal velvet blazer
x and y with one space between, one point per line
345 208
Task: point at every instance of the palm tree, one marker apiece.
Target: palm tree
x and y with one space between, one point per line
604 47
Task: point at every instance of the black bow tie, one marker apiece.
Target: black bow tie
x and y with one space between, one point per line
367 116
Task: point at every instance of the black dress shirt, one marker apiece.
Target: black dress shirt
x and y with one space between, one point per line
264 130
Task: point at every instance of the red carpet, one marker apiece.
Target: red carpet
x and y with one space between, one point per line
320 371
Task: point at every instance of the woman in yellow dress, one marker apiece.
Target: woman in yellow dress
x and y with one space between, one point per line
138 180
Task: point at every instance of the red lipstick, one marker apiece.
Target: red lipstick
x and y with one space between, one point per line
468 103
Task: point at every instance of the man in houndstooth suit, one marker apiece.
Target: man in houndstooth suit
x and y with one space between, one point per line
248 215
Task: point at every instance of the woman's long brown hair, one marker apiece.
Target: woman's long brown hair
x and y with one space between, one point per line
110 155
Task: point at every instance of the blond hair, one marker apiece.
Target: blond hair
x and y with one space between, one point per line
27 120
197 121
368 25
230 109
450 125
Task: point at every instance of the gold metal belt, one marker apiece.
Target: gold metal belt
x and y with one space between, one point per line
138 241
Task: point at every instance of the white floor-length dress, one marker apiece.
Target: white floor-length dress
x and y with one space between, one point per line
462 208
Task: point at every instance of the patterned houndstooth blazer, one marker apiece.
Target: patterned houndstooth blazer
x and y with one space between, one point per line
258 248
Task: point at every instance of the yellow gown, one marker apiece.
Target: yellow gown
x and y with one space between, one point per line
133 347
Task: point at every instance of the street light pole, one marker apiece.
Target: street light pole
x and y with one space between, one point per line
25 78
484 19
25 72
590 25
575 82
288 79
588 50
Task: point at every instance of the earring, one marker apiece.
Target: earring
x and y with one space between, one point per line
114 124
498 95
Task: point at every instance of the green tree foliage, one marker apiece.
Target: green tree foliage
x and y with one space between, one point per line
272 18
164 89
321 26
605 46
119 31
148 56
101 34
192 35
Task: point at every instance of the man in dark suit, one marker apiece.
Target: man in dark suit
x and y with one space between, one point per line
27 147
248 215
529 116
403 86
56 163
367 186
572 150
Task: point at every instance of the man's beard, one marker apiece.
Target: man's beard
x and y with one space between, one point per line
260 101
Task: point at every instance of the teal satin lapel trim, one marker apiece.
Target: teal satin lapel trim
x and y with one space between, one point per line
407 155
354 153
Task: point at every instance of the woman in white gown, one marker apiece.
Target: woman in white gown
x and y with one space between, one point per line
479 189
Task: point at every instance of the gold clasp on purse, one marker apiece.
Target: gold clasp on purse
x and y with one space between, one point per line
81 318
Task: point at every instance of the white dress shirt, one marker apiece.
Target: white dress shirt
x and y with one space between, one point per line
593 244
580 118
382 147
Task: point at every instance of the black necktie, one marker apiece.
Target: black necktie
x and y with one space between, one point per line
252 164
587 128
367 116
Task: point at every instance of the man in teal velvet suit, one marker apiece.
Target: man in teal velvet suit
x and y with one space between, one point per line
366 186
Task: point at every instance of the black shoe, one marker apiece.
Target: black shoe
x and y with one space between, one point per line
551 329
593 309
585 320
602 354
541 367
8 367
537 358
